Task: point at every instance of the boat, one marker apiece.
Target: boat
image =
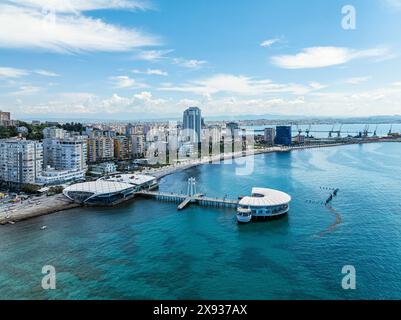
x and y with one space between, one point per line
263 204
244 215
43 228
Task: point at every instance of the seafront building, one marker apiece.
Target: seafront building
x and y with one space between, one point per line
299 139
103 168
99 192
109 190
52 176
283 135
269 135
263 204
64 157
65 154
142 182
21 161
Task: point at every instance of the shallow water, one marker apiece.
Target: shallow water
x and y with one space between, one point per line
146 249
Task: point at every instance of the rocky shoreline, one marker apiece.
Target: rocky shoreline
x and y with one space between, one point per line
47 205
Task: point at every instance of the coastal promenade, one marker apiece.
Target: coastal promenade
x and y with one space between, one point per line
190 163
52 204
34 208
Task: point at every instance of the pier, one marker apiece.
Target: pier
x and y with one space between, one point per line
184 200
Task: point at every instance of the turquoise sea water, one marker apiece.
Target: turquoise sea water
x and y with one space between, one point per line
146 249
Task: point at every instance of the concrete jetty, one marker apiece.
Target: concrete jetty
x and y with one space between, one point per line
185 200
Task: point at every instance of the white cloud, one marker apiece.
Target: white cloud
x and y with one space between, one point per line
381 101
357 80
152 55
30 27
26 90
74 6
6 72
227 83
156 72
190 64
319 57
125 82
145 95
46 73
317 85
269 42
162 55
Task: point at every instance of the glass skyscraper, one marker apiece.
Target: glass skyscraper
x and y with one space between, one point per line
283 135
192 124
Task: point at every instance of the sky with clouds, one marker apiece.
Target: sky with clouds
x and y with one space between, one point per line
144 59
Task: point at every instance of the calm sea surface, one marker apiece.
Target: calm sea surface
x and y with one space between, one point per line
146 249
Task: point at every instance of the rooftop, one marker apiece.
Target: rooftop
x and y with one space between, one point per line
262 197
134 179
98 187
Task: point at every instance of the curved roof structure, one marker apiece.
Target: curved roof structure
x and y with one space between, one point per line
96 189
262 197
134 179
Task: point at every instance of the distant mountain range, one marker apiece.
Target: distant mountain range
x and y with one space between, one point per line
242 118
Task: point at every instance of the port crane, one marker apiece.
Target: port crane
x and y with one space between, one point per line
308 131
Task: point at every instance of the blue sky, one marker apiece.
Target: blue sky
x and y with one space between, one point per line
138 59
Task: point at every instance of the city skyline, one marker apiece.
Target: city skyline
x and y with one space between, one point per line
125 59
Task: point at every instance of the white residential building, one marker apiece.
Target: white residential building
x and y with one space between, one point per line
138 144
54 133
21 161
51 176
269 135
65 154
104 168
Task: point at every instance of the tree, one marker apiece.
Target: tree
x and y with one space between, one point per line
8 132
76 127
56 190
30 188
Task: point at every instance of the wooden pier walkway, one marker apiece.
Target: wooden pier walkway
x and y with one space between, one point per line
185 200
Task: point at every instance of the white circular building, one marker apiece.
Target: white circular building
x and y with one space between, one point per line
264 203
99 192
